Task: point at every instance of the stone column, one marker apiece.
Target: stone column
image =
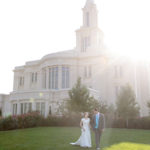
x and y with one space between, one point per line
18 107
34 106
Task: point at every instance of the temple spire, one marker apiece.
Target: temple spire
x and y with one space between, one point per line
89 36
90 14
90 2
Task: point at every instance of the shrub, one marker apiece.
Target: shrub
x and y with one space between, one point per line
34 119
134 123
0 112
61 121
29 120
8 123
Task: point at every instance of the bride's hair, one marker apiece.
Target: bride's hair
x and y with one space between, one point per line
86 113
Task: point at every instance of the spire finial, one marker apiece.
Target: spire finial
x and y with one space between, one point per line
90 2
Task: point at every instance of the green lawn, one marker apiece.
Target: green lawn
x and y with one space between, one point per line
59 138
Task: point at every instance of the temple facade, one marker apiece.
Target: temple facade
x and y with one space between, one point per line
43 85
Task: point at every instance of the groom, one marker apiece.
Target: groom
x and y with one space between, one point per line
98 124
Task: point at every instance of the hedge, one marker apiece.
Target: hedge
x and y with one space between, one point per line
34 119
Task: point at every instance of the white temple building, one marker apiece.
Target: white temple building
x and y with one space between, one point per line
43 85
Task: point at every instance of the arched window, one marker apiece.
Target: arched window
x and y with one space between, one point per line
85 43
65 77
53 77
50 110
87 19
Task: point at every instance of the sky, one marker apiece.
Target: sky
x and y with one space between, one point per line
30 29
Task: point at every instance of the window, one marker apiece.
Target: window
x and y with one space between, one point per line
85 43
30 107
34 77
21 81
87 19
121 73
21 108
118 73
88 71
43 108
14 109
56 78
53 78
50 110
117 90
40 106
50 78
85 72
44 78
65 77
25 108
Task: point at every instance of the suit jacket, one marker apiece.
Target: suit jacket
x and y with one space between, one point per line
101 122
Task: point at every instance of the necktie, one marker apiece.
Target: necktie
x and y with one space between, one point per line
97 120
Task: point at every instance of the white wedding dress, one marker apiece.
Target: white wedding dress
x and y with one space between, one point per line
85 138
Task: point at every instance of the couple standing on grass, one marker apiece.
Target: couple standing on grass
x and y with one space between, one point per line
97 123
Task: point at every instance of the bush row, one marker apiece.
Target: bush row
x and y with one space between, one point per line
134 123
34 119
21 121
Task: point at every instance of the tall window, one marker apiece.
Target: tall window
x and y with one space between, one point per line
21 81
87 19
36 75
85 43
14 109
40 106
88 71
50 110
117 90
50 78
33 77
44 78
65 77
53 77
121 73
118 72
85 71
25 108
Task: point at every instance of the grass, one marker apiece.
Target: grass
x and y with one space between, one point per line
59 138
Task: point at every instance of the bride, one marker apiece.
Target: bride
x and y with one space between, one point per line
85 138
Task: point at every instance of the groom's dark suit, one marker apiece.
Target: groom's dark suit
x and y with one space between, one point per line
98 130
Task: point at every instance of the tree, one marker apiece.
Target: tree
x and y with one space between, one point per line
100 105
126 104
80 99
148 105
0 112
